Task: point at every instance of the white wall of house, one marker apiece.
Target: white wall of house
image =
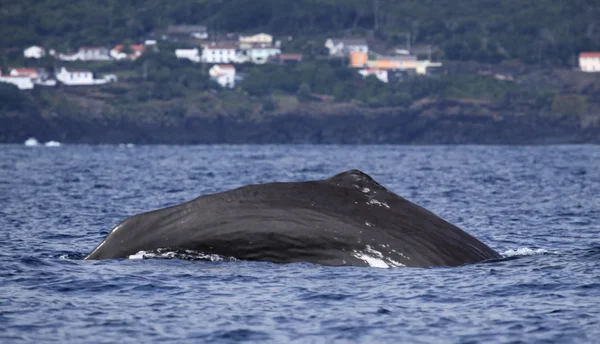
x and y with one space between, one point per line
28 73
34 52
93 54
87 54
224 75
261 55
200 35
339 47
68 57
78 77
258 38
589 64
190 54
22 82
219 55
380 74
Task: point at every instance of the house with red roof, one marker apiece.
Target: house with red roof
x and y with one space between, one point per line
31 73
22 82
134 52
589 62
223 74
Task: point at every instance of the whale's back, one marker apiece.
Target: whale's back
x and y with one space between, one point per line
348 219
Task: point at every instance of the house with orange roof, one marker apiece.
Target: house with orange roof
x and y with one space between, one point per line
135 51
22 82
589 62
31 73
223 74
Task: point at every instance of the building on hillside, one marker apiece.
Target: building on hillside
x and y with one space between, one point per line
30 73
190 54
87 54
224 75
380 74
344 46
22 82
259 53
260 38
68 56
195 31
37 76
78 77
589 62
358 59
286 58
395 63
93 54
222 52
135 51
34 52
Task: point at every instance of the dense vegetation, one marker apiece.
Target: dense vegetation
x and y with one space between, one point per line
530 31
508 34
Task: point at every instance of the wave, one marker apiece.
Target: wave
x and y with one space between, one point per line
32 142
525 251
52 144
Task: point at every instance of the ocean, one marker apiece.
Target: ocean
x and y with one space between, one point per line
537 205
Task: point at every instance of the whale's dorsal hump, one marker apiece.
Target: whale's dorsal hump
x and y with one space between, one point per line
355 179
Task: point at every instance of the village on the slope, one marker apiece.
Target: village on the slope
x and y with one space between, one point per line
224 53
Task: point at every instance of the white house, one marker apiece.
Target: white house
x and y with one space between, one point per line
589 62
78 77
87 54
30 73
260 38
22 82
380 74
34 52
93 54
135 51
190 54
260 53
344 46
221 52
223 74
37 77
68 56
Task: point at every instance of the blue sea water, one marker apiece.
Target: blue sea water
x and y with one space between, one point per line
539 206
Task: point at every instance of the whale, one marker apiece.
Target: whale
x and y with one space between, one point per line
345 220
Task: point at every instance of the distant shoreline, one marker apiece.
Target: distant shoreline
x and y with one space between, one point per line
390 126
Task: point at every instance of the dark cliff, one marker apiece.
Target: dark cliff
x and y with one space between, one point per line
431 122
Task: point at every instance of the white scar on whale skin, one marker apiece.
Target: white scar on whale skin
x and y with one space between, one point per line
376 202
375 258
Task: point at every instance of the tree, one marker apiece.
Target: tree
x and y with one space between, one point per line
304 93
